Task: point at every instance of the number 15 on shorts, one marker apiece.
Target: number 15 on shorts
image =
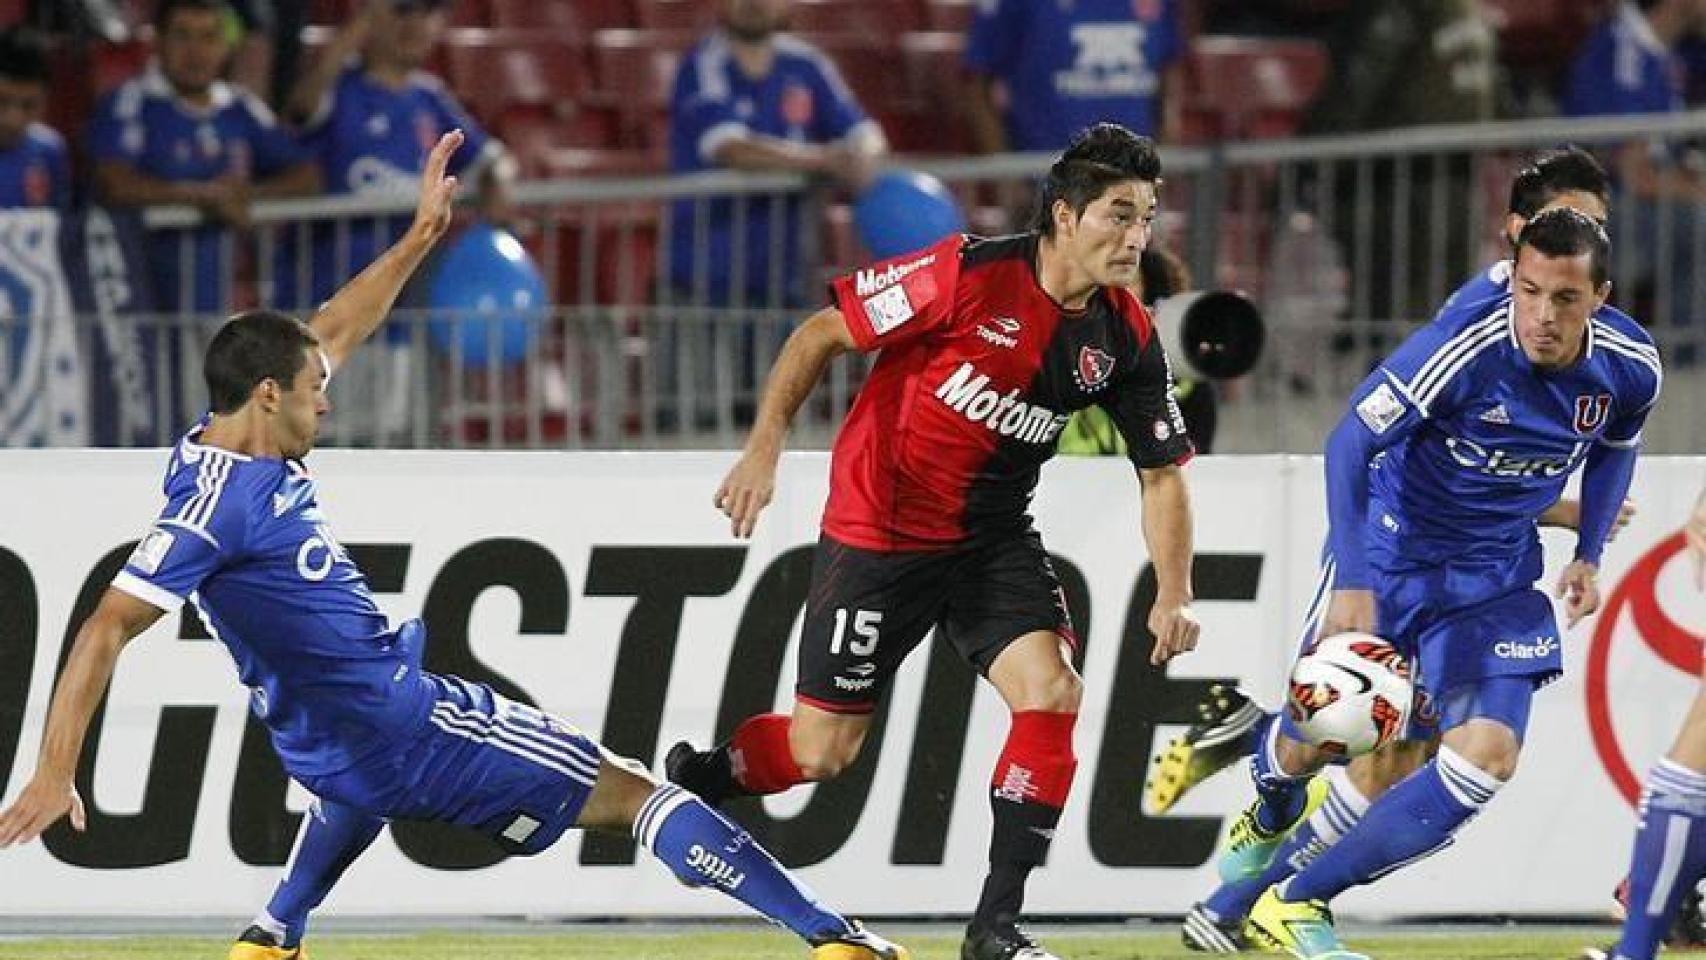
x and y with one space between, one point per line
864 640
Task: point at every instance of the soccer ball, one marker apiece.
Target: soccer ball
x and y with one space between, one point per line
1350 694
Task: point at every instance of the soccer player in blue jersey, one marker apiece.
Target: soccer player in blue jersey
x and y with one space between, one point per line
1451 451
34 169
351 713
1670 844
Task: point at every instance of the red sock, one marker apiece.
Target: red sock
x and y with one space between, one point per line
1037 764
760 757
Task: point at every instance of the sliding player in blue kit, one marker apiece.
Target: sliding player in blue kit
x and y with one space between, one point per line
351 713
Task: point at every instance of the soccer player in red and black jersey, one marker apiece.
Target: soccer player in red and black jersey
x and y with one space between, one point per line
986 346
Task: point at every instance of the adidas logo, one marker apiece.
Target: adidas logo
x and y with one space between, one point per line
1497 414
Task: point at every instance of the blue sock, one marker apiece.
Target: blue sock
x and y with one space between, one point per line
1282 795
1344 806
1415 819
705 850
1670 855
331 837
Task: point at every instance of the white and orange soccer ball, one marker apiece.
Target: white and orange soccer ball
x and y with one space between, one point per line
1351 694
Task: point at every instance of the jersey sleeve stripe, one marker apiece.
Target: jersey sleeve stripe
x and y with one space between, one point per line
148 593
1611 334
1426 396
1446 356
210 481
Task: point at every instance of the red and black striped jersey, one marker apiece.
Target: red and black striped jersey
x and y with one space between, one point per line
978 372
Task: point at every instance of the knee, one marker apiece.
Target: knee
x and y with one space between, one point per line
1494 753
1058 691
823 754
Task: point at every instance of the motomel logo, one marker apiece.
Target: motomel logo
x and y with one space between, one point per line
1500 463
867 282
968 393
1540 649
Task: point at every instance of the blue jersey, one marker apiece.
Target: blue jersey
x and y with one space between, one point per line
1624 68
146 125
1067 65
803 99
36 172
246 539
370 139
1475 442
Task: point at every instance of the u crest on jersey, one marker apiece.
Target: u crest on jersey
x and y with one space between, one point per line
1591 410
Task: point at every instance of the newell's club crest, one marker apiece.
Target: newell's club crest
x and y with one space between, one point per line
1095 366
1591 411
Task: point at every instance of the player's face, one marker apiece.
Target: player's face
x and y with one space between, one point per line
1587 204
21 104
302 406
193 50
755 20
1554 297
1109 239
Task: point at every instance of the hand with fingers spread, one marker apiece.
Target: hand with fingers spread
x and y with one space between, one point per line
746 491
40 806
1578 585
438 191
1175 627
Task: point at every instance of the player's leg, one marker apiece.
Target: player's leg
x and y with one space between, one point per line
331 837
1029 786
1670 843
1484 721
703 849
865 611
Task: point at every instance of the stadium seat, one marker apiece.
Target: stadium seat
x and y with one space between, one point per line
12 11
871 18
691 15
583 128
114 63
1542 35
635 68
567 20
1254 86
866 62
954 15
500 72
935 66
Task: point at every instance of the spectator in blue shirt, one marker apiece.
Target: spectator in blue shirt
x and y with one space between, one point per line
749 97
1062 66
1629 65
178 134
370 115
34 171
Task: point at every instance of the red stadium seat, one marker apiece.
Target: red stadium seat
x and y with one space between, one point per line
871 18
636 68
691 15
534 138
114 63
1255 86
935 67
866 62
570 20
1543 34
497 72
955 15
12 11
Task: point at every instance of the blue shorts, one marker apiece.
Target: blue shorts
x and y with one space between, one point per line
1459 623
505 769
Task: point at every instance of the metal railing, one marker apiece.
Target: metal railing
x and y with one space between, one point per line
1345 242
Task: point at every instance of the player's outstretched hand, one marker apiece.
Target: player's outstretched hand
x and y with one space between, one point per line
1695 531
1347 611
1578 585
40 806
1176 630
438 191
746 491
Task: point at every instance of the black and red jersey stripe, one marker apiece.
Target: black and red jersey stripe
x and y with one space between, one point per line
977 373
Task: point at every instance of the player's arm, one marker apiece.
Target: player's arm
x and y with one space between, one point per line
1566 514
51 793
358 309
750 484
1167 532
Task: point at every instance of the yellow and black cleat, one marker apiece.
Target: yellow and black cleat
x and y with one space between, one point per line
1218 740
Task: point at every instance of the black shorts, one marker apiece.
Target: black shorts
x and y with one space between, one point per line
868 609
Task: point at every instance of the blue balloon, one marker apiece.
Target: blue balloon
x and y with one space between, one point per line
905 210
486 293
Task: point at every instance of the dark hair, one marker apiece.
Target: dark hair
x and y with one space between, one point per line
254 346
23 56
1099 157
1163 274
163 12
1562 232
1567 169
